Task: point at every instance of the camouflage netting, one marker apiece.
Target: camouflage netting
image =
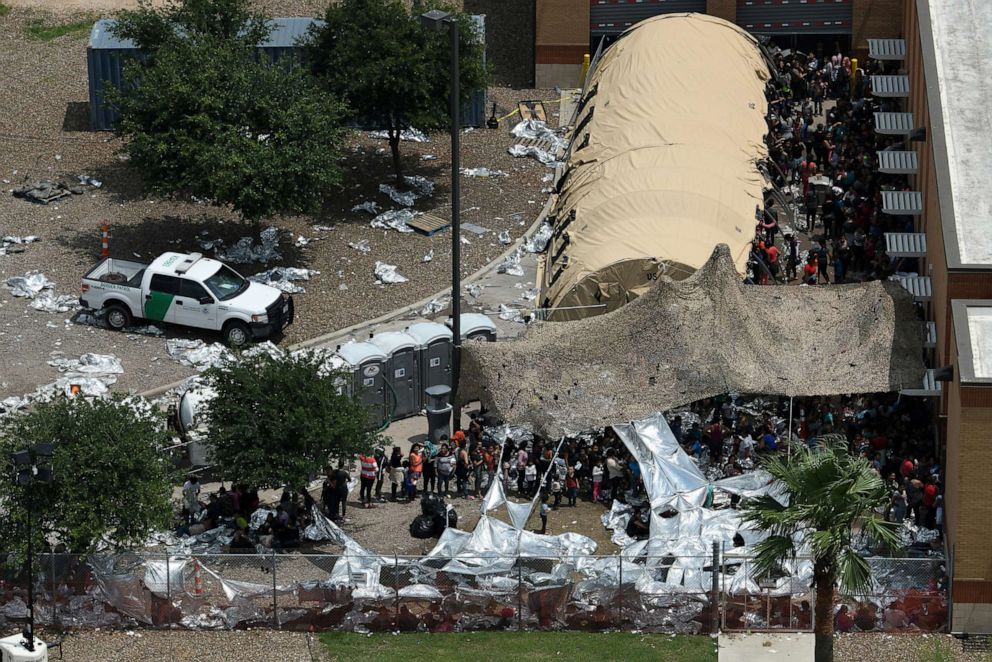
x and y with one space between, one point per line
697 338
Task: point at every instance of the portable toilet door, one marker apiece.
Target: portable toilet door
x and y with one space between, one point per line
402 370
434 341
368 363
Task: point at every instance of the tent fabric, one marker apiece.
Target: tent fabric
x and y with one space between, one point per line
697 338
662 165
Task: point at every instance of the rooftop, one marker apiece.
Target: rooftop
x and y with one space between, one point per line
962 124
973 337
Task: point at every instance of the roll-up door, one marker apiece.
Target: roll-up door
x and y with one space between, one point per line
795 16
611 17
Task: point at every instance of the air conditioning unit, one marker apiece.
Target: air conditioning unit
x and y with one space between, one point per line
12 649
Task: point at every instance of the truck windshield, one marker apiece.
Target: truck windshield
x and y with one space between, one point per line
226 284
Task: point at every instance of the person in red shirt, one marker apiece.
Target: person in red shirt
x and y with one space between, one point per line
929 504
906 468
809 271
773 263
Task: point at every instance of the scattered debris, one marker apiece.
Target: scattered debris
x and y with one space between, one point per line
510 314
428 257
532 129
505 238
361 246
196 353
464 240
474 229
538 241
86 180
394 219
48 302
483 172
511 265
245 250
530 294
282 278
370 206
7 243
473 290
323 228
407 135
29 285
544 157
303 242
419 187
428 157
434 306
387 273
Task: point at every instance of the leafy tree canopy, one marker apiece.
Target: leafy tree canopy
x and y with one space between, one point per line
279 421
391 71
112 482
203 115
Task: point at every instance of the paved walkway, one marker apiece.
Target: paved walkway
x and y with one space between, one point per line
781 647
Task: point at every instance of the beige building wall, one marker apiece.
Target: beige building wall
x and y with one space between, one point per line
561 41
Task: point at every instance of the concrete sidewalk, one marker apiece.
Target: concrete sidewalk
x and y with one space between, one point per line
781 647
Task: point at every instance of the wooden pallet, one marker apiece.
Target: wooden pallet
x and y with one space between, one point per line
532 109
428 224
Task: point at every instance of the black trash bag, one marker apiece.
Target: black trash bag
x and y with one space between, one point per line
432 505
422 527
438 522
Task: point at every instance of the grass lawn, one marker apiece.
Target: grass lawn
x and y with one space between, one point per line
518 646
40 30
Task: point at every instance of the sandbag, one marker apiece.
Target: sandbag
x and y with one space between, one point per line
422 527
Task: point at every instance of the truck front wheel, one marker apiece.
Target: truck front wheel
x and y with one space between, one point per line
118 317
237 334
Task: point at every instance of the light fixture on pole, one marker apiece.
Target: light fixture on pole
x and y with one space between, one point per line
32 466
437 20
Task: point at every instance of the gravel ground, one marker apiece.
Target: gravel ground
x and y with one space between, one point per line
43 135
190 646
902 648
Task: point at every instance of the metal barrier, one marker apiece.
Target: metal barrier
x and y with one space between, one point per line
378 593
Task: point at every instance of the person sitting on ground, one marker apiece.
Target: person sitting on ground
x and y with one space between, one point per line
240 543
637 527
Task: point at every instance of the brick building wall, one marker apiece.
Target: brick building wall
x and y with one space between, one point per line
509 39
562 39
875 19
725 9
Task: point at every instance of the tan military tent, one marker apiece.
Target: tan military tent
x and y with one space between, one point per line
662 163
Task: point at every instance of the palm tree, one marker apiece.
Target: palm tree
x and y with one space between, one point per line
830 492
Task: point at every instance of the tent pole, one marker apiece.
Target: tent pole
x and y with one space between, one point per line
790 428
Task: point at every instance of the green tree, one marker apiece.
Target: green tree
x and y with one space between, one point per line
203 116
279 421
392 72
112 482
830 493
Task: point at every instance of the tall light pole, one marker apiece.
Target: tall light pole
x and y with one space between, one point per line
33 466
437 21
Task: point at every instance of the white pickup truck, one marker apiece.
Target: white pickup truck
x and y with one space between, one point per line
190 290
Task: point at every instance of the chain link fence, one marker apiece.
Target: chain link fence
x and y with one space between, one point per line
389 593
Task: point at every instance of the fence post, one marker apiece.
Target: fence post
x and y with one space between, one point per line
396 589
275 599
520 596
715 589
620 589
55 600
168 581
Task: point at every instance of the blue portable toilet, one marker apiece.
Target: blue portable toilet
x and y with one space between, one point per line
402 370
434 343
368 363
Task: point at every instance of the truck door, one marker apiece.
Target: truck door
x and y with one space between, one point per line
162 290
194 306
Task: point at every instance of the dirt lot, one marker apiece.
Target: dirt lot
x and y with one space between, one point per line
43 134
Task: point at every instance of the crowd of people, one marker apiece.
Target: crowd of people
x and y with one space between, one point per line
822 157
